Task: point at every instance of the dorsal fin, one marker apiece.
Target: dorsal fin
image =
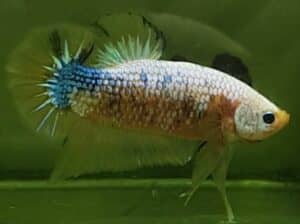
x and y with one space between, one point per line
128 49
127 37
233 66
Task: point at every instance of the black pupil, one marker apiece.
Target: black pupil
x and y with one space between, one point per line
268 118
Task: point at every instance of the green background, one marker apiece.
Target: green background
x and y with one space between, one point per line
266 31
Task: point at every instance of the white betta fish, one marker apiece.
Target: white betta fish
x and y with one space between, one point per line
120 107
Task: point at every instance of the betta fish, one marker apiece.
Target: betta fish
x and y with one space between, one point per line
116 105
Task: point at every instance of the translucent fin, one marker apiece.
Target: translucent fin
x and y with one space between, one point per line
206 161
35 60
219 177
128 49
127 37
194 41
212 160
90 148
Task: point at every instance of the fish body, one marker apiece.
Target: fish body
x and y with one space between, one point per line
124 107
171 98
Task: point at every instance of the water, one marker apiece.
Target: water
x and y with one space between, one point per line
267 40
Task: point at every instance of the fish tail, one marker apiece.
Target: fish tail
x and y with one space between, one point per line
33 65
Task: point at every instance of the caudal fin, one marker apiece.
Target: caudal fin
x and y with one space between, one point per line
32 64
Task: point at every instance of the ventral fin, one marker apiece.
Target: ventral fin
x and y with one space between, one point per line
127 37
219 176
233 66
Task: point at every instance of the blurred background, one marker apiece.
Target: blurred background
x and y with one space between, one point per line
264 34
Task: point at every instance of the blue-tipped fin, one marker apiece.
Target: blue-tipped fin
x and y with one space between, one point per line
34 64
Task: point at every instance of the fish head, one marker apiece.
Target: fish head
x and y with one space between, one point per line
258 118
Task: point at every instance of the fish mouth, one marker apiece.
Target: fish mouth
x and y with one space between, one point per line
282 119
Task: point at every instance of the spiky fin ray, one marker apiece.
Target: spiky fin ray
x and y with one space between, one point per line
127 37
35 61
129 49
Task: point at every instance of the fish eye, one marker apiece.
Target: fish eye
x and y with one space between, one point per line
268 117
